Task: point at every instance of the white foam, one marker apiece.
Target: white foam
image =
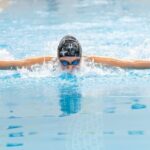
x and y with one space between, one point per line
50 69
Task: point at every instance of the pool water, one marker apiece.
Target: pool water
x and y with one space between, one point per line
96 108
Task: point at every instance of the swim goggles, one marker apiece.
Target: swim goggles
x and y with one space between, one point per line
66 63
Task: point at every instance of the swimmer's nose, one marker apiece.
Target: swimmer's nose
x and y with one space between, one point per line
70 67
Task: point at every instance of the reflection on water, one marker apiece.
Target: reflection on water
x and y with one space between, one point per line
15 132
76 132
126 117
138 106
70 94
14 144
84 130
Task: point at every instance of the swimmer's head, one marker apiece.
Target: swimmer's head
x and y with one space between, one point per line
69 46
69 53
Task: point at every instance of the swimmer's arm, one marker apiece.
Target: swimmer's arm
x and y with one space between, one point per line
28 62
133 64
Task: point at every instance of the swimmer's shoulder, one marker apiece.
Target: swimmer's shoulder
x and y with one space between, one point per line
87 58
40 59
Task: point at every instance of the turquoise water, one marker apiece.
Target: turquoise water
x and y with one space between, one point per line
98 107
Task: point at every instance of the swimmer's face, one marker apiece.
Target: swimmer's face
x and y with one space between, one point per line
70 63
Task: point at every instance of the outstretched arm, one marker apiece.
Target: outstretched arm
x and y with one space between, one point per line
134 64
13 64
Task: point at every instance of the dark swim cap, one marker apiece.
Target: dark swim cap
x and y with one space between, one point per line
69 46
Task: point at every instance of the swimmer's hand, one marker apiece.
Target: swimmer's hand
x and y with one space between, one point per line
123 63
27 63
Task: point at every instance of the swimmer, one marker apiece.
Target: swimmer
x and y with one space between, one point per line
69 56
